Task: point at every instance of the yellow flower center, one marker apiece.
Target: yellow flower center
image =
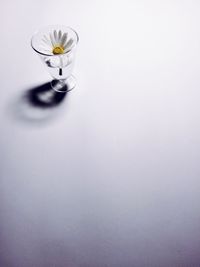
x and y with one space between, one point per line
57 50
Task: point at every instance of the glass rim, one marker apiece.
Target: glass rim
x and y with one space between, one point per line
50 55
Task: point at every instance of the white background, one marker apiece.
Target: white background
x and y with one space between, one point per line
109 178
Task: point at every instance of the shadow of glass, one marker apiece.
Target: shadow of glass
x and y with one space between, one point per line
38 105
44 96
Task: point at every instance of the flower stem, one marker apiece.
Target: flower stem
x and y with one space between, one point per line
61 66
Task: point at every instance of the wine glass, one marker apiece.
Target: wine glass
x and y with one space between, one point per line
56 46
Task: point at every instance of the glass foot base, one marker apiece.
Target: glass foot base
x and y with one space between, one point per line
64 86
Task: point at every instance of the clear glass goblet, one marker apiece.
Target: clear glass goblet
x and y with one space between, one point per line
56 46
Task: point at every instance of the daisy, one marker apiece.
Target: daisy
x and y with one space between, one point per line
56 43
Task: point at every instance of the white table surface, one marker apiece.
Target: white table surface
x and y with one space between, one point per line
110 177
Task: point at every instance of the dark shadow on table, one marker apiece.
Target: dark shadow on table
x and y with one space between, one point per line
38 105
44 96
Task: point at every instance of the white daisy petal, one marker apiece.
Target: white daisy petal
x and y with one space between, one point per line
45 50
52 39
43 46
68 44
55 35
63 39
46 40
46 43
59 36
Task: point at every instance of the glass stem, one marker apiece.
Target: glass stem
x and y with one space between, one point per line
61 66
